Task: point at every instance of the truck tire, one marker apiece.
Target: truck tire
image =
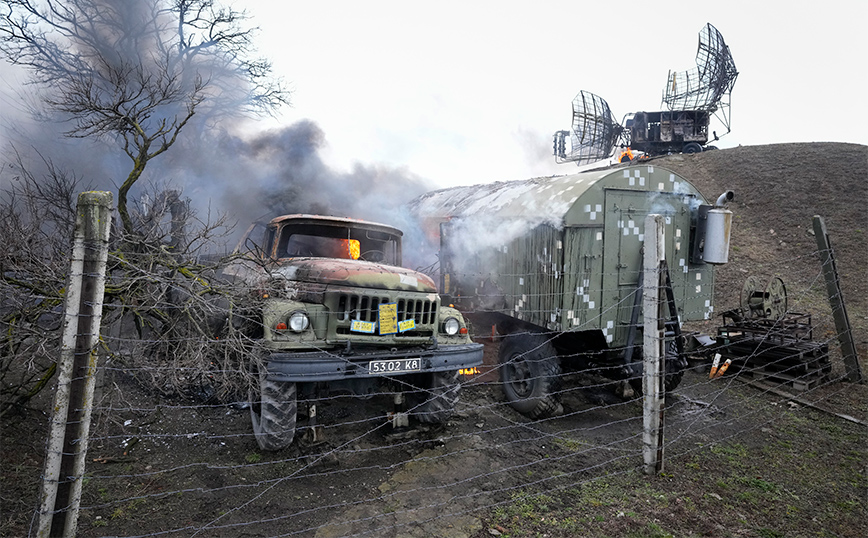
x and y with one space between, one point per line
436 402
672 377
691 147
273 413
530 370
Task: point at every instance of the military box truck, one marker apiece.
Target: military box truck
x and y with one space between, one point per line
555 265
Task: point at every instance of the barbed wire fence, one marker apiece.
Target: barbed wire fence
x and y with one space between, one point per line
171 451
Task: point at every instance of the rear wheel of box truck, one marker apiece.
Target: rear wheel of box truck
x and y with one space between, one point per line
674 365
530 370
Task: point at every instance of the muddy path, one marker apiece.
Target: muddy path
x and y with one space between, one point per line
196 471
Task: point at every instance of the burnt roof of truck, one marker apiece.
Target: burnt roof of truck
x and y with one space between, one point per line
325 220
573 199
548 197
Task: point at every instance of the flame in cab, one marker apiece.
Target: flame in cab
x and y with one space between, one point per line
353 248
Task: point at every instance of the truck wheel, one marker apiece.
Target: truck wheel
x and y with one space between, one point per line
436 402
530 371
674 371
273 413
691 147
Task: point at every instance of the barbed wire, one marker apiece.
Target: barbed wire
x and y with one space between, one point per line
593 438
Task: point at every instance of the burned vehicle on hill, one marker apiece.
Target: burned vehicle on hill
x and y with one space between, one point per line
555 265
691 97
664 132
340 314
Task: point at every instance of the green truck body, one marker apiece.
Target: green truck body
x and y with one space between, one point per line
561 258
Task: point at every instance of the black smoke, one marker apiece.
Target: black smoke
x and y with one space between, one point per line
281 171
246 178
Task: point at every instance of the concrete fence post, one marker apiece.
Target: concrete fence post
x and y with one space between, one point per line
653 336
73 401
836 300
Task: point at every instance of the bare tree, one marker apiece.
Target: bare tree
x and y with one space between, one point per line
168 322
36 222
137 72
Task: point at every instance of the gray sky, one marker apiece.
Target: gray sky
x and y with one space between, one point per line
463 92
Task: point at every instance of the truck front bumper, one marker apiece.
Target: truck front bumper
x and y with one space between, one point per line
312 366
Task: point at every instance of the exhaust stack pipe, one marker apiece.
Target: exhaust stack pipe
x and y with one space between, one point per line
724 198
713 227
717 231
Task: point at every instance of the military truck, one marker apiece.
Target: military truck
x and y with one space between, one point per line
664 132
340 314
554 264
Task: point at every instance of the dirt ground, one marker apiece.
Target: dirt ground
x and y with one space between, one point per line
742 460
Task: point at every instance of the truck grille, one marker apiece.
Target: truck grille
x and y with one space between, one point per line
349 306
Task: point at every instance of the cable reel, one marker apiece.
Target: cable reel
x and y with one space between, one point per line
770 302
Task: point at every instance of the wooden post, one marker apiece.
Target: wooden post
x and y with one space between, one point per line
653 335
836 299
73 401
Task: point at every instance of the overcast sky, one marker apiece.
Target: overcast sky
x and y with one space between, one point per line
463 92
471 91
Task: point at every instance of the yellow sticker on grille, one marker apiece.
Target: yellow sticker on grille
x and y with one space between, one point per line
363 326
388 318
406 325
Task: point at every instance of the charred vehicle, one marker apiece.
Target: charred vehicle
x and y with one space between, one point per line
691 99
664 132
555 265
340 314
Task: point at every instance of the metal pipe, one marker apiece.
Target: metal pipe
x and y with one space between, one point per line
724 198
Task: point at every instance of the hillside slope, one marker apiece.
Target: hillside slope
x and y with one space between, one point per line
778 189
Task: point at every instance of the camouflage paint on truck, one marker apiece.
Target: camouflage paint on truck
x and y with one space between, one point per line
561 256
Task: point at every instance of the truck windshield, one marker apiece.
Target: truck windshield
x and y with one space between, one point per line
337 242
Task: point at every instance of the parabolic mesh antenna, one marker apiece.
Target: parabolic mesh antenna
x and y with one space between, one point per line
693 97
707 86
594 132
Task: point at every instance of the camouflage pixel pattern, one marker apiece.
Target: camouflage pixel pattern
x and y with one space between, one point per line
575 263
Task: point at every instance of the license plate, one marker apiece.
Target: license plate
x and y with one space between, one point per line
394 366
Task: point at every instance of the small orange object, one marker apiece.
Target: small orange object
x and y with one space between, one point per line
723 368
714 366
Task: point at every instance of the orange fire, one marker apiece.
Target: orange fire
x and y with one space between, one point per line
468 371
354 248
626 155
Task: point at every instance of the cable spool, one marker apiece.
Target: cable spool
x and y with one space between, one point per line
776 299
768 303
751 297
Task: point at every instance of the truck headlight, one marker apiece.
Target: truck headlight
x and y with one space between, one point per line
298 321
451 326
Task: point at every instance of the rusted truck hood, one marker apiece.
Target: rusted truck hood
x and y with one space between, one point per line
353 273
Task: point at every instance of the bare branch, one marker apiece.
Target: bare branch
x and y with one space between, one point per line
138 72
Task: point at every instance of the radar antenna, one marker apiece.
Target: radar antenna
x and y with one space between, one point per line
594 131
707 86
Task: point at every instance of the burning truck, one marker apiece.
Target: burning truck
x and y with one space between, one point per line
339 314
555 265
